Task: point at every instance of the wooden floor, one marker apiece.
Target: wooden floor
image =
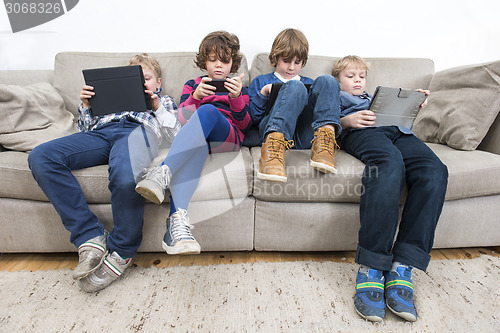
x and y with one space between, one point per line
13 262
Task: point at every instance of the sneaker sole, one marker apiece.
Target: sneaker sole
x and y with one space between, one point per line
183 247
273 178
370 318
149 195
405 315
322 167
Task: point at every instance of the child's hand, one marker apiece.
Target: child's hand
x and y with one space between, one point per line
86 94
266 90
155 101
359 119
204 89
234 86
427 93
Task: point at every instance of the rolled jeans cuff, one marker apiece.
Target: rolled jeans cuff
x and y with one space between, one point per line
373 260
412 255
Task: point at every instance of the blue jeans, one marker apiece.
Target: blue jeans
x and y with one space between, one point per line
206 131
127 148
392 160
297 113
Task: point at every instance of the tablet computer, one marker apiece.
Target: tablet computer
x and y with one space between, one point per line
117 89
396 106
274 94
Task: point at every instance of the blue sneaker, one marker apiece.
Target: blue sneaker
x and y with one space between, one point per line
178 238
399 292
369 297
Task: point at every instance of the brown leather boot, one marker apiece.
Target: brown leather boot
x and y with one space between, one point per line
323 150
272 158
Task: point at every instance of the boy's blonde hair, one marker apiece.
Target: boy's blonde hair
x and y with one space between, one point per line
226 46
147 60
288 44
342 63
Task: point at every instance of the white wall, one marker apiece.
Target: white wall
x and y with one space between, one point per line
451 32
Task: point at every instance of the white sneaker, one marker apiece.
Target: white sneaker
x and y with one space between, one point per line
110 270
178 238
154 184
90 256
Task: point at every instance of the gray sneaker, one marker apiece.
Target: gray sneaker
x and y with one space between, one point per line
90 256
178 238
154 184
110 270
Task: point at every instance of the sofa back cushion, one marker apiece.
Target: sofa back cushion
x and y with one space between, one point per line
177 68
409 73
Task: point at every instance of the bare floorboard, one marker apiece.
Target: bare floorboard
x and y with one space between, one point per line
13 262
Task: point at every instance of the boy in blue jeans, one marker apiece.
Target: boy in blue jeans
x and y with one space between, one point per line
394 156
301 118
127 141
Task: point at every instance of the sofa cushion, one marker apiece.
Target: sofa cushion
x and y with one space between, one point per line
410 73
32 114
225 176
17 182
306 184
471 174
177 68
463 104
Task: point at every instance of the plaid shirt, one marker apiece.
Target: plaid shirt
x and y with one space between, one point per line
88 122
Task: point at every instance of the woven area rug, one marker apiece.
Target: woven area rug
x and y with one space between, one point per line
303 296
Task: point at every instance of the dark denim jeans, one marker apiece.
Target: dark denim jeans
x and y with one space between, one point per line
297 113
392 160
128 149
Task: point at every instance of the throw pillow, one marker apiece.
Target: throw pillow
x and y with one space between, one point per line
463 104
22 108
32 115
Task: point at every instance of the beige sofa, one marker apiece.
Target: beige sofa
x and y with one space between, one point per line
231 209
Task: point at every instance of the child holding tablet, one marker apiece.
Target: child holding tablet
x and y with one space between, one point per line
394 157
125 141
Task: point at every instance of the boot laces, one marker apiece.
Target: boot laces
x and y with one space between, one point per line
276 147
326 141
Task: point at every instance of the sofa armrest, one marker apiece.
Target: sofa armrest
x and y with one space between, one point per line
26 77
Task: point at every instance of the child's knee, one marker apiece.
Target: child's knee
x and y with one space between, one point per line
37 157
328 80
297 86
438 174
207 111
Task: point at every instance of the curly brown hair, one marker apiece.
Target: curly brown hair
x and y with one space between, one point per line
226 46
288 44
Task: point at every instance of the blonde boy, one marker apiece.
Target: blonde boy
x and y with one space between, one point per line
107 139
399 158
